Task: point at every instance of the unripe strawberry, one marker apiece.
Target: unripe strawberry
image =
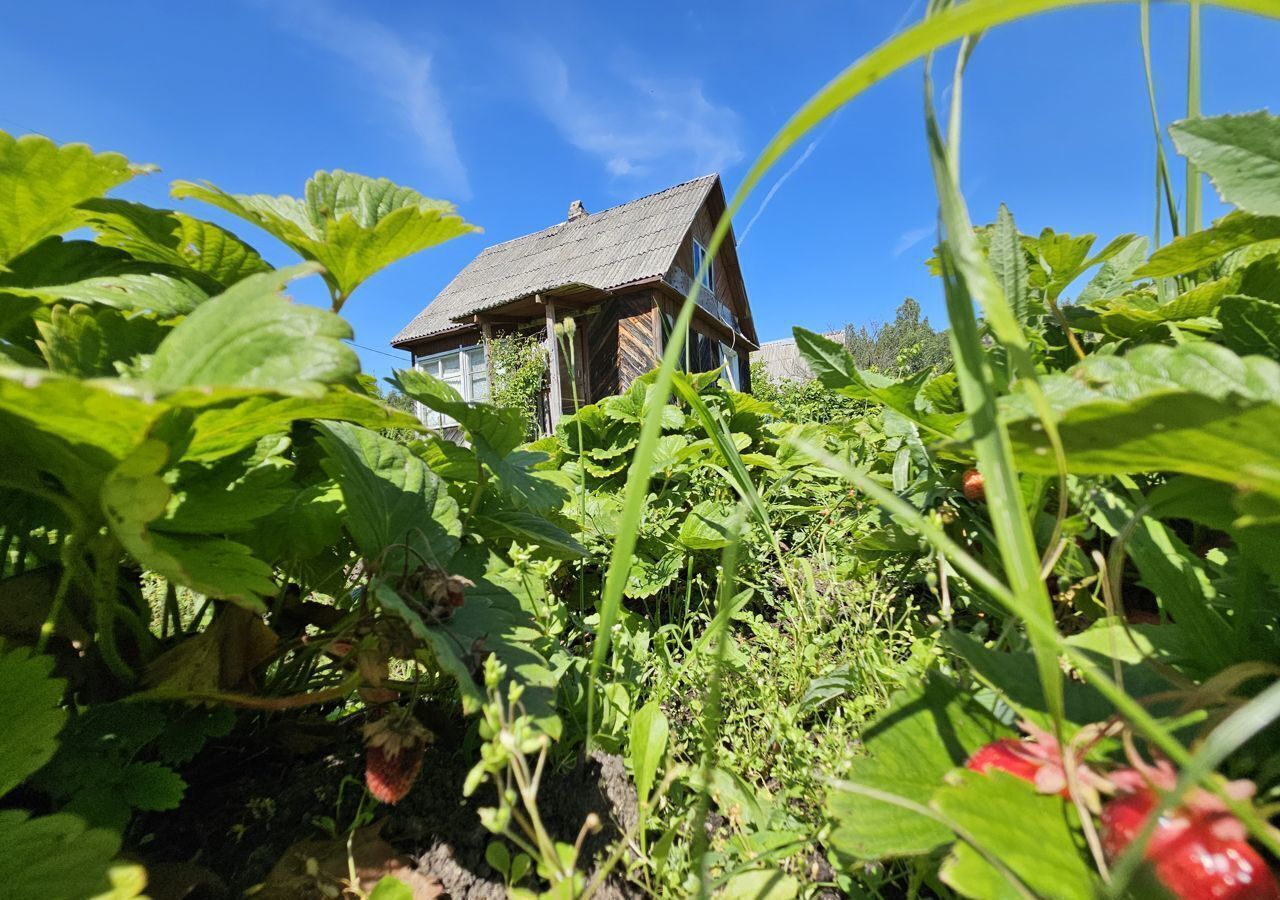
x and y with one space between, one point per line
974 486
1196 854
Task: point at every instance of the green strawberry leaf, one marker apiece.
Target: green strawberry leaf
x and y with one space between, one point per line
1233 231
1250 325
173 239
250 336
351 224
925 733
42 183
398 513
31 714
53 857
1033 837
1239 153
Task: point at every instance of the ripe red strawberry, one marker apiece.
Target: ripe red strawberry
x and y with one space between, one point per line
1197 854
974 486
394 744
1008 755
390 776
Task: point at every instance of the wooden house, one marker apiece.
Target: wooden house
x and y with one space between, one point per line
621 273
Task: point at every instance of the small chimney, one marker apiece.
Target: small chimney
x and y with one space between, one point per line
577 211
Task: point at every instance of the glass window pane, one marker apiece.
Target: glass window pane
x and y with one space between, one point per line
479 387
450 365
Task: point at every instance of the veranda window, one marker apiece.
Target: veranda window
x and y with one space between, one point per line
464 370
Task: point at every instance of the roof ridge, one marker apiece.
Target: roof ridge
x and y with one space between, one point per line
590 216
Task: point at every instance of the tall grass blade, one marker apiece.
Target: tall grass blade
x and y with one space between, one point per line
1164 187
967 276
715 687
1194 205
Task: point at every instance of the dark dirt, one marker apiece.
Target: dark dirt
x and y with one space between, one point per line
245 808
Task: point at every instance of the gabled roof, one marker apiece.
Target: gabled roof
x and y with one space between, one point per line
605 250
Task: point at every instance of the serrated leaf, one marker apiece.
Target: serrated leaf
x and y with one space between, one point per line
135 495
151 786
1250 325
925 733
307 524
227 497
93 343
53 857
835 367
42 183
1261 279
156 293
351 224
506 525
224 430
1142 315
1116 273
250 336
1009 263
1232 232
648 576
31 714
492 619
501 429
1198 409
1029 833
1239 153
397 513
174 239
708 526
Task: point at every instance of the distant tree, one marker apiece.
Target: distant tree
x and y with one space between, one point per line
901 347
405 404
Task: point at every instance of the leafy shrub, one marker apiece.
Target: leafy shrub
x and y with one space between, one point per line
517 372
904 346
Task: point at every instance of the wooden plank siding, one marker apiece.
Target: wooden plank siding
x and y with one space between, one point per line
637 351
600 337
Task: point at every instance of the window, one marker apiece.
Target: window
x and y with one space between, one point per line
708 277
463 370
729 359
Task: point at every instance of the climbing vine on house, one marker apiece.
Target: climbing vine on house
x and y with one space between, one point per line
517 370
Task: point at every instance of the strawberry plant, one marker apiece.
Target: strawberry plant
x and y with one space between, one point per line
172 423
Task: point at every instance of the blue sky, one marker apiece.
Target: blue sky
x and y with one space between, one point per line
514 109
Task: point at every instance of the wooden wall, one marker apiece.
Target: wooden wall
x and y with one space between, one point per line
600 336
621 341
728 289
638 337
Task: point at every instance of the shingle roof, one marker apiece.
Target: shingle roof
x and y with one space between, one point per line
604 250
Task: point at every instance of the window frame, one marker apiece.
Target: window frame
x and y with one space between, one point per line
730 361
708 280
465 374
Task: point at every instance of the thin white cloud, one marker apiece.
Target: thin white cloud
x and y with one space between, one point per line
396 70
795 166
636 125
910 238
777 185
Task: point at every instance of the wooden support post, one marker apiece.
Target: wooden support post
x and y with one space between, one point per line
553 360
486 334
